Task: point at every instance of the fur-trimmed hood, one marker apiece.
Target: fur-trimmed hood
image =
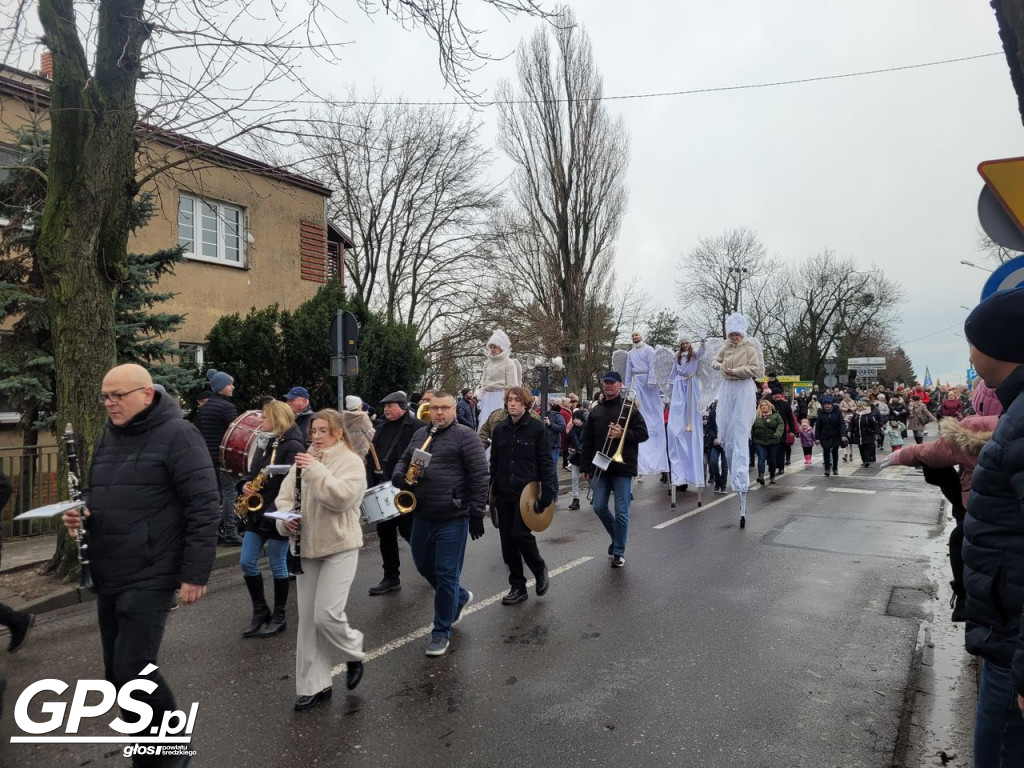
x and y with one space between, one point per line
970 434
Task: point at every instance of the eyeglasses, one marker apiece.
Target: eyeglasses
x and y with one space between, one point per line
115 397
442 408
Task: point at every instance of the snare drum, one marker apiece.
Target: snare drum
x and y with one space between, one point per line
238 446
379 503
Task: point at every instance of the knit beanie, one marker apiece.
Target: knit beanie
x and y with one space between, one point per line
218 379
353 403
993 327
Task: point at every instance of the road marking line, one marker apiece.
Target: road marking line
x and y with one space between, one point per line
851 490
804 487
376 653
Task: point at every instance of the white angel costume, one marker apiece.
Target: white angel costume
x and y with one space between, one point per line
640 377
685 422
500 373
737 401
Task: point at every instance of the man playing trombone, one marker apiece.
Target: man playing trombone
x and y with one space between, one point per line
613 432
520 454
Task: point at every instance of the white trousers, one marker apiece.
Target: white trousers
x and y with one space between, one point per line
322 593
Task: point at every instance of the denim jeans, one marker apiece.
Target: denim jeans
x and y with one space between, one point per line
998 725
228 494
131 628
618 525
277 553
554 458
718 465
438 549
766 453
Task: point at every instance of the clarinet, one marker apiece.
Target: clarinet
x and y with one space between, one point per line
297 509
75 492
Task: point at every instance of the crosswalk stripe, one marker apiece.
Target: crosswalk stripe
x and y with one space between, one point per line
862 491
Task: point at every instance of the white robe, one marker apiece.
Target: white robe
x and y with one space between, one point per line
686 448
653 455
736 411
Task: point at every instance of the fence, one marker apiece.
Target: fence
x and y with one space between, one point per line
33 472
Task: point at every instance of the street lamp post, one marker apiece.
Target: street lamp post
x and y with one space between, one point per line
739 272
967 263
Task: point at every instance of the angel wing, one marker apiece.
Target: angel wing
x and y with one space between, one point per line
619 357
710 379
760 355
519 371
662 367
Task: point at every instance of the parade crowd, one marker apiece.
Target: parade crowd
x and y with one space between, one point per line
158 497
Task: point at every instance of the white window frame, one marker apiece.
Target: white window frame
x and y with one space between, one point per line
221 210
195 349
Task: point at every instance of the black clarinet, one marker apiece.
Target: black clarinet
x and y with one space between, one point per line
297 509
75 491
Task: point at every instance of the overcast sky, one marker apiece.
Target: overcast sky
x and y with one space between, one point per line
879 167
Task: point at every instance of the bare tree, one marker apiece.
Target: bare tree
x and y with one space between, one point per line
833 307
725 274
993 251
189 67
408 188
569 188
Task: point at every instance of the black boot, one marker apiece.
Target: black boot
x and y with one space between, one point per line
260 612
278 621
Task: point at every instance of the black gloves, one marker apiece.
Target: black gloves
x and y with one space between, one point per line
476 527
539 506
378 478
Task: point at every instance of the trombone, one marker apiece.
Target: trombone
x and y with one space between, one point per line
604 458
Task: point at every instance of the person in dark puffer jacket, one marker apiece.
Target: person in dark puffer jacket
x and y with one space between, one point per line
994 535
213 419
151 519
451 500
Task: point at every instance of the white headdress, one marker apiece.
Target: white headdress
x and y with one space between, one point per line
685 338
736 323
500 339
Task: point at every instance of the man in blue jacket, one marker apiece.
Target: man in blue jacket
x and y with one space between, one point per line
994 535
151 521
213 419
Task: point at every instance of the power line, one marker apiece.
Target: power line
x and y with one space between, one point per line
657 94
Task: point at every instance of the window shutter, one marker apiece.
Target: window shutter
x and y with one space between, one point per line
313 250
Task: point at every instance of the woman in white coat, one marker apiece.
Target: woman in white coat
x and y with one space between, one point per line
332 484
685 425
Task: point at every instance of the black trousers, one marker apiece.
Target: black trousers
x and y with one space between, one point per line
867 452
830 453
388 532
10 617
956 556
517 542
131 629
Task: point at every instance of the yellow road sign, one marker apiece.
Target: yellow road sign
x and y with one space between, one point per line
1006 180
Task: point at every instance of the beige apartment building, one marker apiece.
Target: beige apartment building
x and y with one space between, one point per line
253 234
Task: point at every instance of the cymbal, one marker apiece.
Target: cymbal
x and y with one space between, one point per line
534 521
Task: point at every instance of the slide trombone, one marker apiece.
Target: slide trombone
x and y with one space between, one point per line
604 458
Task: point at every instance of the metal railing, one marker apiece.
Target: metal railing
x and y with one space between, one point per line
34 474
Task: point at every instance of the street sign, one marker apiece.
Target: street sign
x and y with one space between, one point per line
831 380
1006 180
830 367
1006 277
867 373
866 362
997 222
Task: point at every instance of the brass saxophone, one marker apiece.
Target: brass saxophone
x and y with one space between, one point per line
405 500
253 502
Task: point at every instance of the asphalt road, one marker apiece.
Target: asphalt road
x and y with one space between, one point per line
785 644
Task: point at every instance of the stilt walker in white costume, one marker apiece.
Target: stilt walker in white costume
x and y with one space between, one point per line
501 371
685 414
741 361
640 377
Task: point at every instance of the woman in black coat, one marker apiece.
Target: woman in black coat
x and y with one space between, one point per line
286 441
863 429
830 433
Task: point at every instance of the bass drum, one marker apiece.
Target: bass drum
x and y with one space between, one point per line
238 445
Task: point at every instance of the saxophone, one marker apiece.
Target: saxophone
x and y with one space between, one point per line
253 501
405 500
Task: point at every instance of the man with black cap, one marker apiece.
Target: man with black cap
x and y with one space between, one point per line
618 478
213 419
994 535
298 400
390 441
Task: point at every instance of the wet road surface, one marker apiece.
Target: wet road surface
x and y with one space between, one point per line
785 644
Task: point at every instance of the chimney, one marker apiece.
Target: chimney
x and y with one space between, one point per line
46 65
